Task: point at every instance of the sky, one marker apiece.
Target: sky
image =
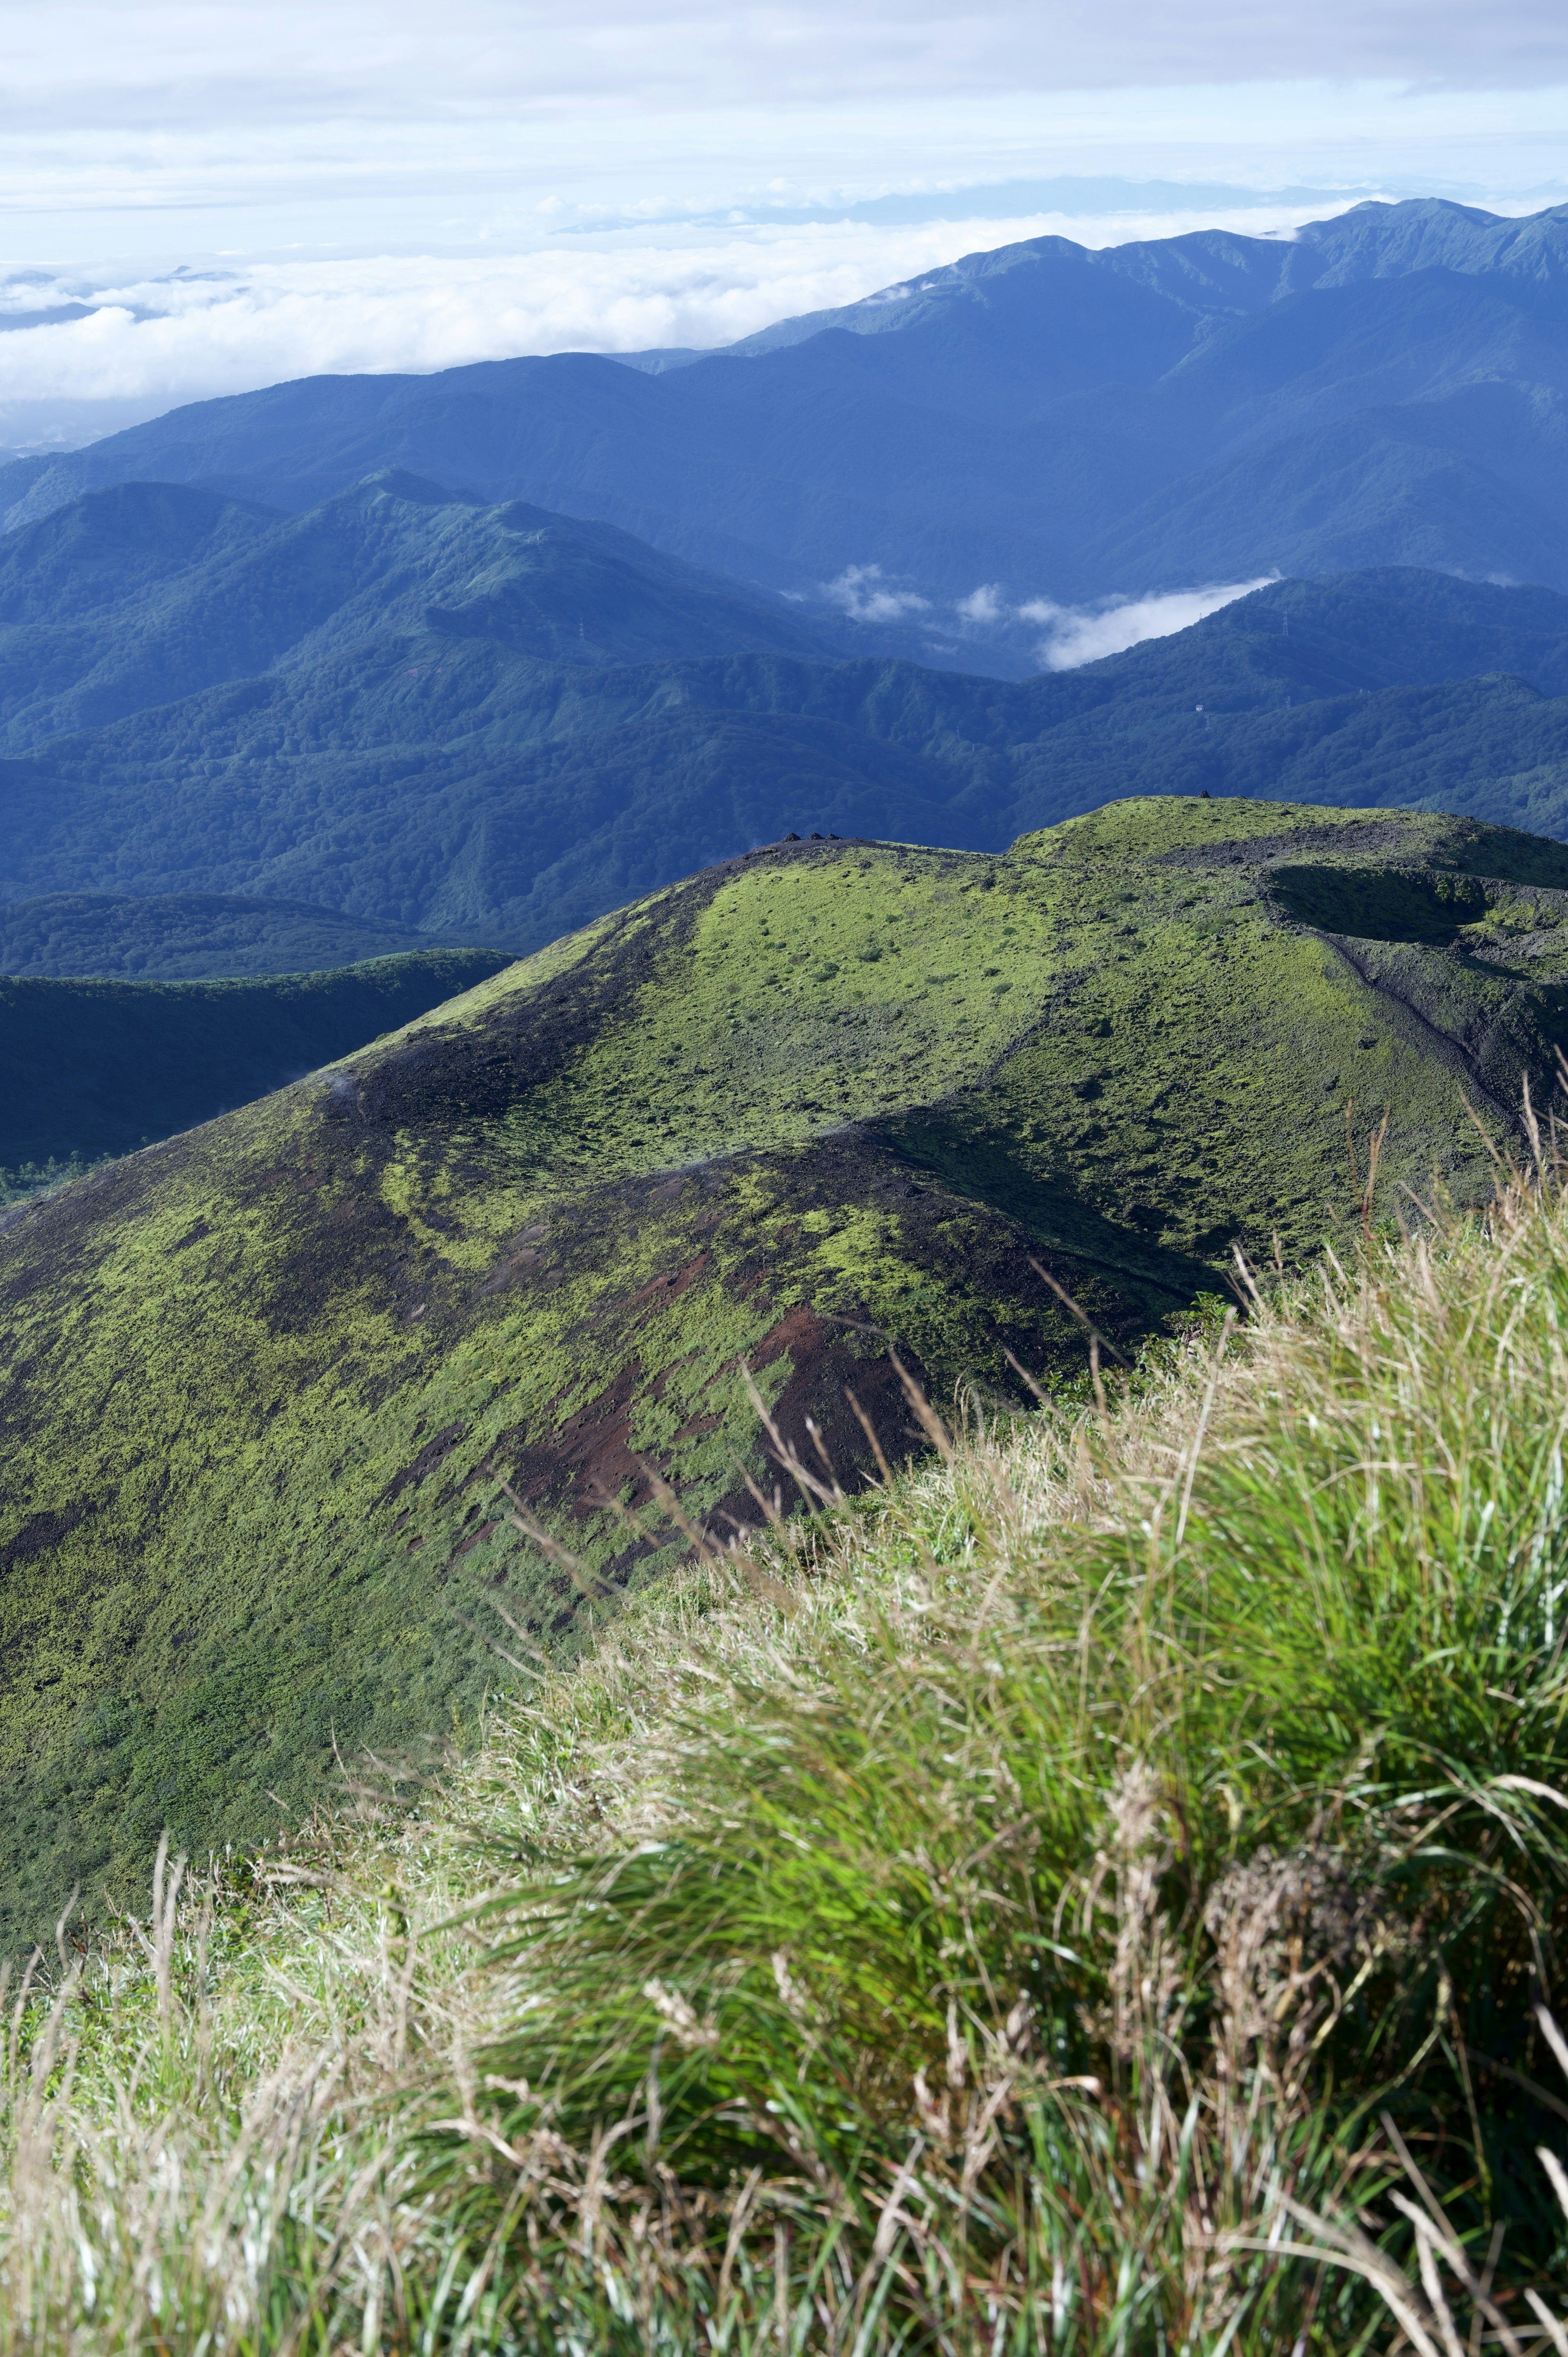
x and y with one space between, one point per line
199 198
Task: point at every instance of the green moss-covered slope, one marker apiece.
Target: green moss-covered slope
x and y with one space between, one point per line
89 1068
260 1383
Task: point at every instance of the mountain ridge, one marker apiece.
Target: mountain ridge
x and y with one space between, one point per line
1008 418
188 937
449 781
231 591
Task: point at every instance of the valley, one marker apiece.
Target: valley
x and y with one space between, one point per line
91 1068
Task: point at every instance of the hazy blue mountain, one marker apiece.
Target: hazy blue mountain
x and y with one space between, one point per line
447 780
144 593
101 551
1385 388
188 936
1217 270
1383 627
20 470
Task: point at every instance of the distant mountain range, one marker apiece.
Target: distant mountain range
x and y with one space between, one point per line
592 645
144 594
469 723
1384 388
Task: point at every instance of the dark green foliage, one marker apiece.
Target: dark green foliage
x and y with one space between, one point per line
816 1100
135 596
422 776
117 546
91 1068
186 936
36 1177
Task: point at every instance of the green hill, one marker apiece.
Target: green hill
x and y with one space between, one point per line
135 596
90 1067
1147 1817
261 1381
186 936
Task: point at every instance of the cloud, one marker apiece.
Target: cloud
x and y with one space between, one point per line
1078 634
165 63
373 184
227 329
856 592
982 606
151 340
1073 634
192 127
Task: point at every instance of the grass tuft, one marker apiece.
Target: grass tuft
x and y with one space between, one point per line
1104 1893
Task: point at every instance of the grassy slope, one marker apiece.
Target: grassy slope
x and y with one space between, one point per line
89 1068
829 1095
187 937
1015 1920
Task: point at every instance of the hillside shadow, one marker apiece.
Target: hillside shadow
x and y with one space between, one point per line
984 1163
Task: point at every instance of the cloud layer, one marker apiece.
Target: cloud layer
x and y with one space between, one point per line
382 124
97 62
155 341
373 184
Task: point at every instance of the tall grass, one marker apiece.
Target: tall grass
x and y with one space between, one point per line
1102 1894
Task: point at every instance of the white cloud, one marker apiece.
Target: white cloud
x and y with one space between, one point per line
982 606
164 62
858 592
1080 634
373 185
157 339
1074 634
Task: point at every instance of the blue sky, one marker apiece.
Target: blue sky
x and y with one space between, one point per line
220 196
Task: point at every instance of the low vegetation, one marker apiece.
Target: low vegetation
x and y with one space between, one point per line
24 1179
1102 1892
258 1385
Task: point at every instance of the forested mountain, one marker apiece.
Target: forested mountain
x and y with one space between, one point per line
140 595
185 936
421 765
246 652
91 1068
1387 387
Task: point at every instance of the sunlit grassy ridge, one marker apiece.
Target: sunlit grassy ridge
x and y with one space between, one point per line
1057 1905
262 1384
